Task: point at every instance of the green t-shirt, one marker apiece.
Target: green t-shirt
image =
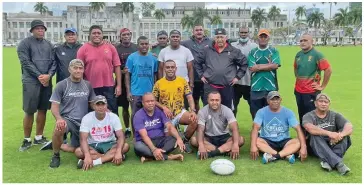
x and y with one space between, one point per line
264 80
156 50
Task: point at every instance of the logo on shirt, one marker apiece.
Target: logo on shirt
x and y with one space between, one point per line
309 58
63 53
106 50
152 123
275 128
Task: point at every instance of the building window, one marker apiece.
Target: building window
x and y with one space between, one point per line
108 26
232 34
48 24
9 35
9 25
232 25
281 24
28 24
152 25
15 35
28 34
146 25
141 25
238 25
15 25
159 26
178 26
49 36
60 24
22 36
21 24
249 24
152 34
141 34
66 25
55 24
146 34
55 36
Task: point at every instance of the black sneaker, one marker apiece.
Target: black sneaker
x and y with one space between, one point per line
55 161
127 133
40 141
80 164
25 146
47 146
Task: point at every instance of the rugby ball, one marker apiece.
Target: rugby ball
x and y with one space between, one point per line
222 167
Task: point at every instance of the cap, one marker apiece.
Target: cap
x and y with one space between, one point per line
220 31
124 30
174 32
36 23
263 31
76 62
73 30
162 33
273 94
323 95
100 98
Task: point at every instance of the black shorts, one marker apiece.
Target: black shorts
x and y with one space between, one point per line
277 146
73 128
218 140
122 101
36 97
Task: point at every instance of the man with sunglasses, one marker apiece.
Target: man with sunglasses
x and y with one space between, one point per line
162 38
308 65
263 64
242 87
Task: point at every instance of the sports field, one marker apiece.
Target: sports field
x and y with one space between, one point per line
344 89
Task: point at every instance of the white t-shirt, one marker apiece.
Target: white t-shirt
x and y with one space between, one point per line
181 56
100 131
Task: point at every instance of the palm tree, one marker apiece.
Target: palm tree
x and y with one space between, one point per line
300 12
127 9
273 14
215 20
350 33
315 20
96 7
258 16
159 15
355 16
327 27
199 15
187 22
41 8
341 19
147 9
330 6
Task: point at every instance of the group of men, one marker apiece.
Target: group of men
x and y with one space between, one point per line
163 84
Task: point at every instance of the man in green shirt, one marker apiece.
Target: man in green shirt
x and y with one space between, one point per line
263 62
162 38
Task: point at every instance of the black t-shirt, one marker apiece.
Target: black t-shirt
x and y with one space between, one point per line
332 122
124 52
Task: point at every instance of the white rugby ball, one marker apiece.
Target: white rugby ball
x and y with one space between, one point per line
222 167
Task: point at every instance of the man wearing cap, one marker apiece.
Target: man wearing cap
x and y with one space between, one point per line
274 121
162 38
308 65
36 57
221 70
70 101
328 134
242 87
101 62
98 132
125 48
195 44
263 62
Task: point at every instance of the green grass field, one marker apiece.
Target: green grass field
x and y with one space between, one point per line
32 166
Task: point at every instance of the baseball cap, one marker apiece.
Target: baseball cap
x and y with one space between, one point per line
124 30
75 62
36 23
174 32
73 30
273 94
220 31
100 98
323 95
162 33
263 31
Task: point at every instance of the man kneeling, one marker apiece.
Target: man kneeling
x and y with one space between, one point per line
150 141
213 137
274 121
97 137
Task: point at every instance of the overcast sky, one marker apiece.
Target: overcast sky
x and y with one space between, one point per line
15 7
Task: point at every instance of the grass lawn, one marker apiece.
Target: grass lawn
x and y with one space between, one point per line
32 166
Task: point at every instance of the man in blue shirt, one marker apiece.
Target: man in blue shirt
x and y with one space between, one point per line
142 68
274 121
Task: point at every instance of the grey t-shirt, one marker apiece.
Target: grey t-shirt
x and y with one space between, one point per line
73 98
333 121
216 122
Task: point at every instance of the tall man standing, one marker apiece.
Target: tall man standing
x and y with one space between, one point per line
162 38
101 61
242 87
36 57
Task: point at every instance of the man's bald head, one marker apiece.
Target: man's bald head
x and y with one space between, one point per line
306 42
148 94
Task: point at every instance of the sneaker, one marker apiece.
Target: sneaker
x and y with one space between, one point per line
55 161
188 148
80 164
25 146
127 133
326 166
342 168
291 158
47 146
40 141
267 158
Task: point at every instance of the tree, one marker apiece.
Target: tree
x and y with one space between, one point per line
350 33
96 7
147 8
258 17
215 20
159 15
41 8
342 17
315 20
199 15
300 12
327 27
127 8
273 14
187 22
330 6
355 16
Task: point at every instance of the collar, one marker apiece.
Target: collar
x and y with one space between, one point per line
308 50
264 48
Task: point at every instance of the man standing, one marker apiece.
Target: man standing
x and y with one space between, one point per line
308 65
242 87
36 57
195 44
274 121
263 64
150 141
329 134
162 38
221 70
142 70
97 137
101 61
215 122
70 101
125 48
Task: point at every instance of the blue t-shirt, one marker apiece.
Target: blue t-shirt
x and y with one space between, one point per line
142 69
275 125
153 124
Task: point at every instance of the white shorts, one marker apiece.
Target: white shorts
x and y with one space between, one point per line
175 120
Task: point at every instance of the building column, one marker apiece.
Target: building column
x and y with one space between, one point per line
150 32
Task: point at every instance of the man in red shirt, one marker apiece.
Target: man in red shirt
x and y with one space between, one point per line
101 62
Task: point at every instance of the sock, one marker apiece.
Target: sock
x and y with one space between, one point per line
56 154
28 139
97 162
214 153
277 156
38 137
127 129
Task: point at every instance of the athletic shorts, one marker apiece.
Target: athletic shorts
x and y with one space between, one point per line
102 148
36 97
218 141
277 145
122 100
73 127
175 120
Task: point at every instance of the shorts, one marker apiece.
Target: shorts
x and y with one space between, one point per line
136 105
122 100
73 127
277 145
102 148
218 140
175 120
36 97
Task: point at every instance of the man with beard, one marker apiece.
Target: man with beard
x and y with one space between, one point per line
162 38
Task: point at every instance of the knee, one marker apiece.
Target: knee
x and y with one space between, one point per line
296 142
79 153
241 141
126 148
260 142
59 133
193 141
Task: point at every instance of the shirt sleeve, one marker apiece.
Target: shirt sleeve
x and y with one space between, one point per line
186 88
251 59
115 56
129 63
292 121
81 54
155 64
199 61
53 67
92 94
115 121
83 127
229 116
164 118
307 118
189 55
138 122
57 93
201 117
161 55
156 91
275 57
25 59
322 63
295 64
259 117
340 121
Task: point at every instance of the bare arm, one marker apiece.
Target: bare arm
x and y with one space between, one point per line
267 67
120 141
301 136
200 135
235 130
127 82
160 70
254 135
347 130
55 111
118 75
191 102
172 130
315 130
327 75
84 144
190 72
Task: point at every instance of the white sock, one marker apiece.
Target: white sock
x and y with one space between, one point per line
28 139
38 137
97 162
127 129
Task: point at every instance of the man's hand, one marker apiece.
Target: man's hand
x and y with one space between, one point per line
203 152
193 116
117 91
203 79
129 96
335 136
303 153
117 158
60 124
157 153
87 163
254 152
191 85
124 70
180 145
234 154
254 69
317 86
167 112
233 82
44 79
